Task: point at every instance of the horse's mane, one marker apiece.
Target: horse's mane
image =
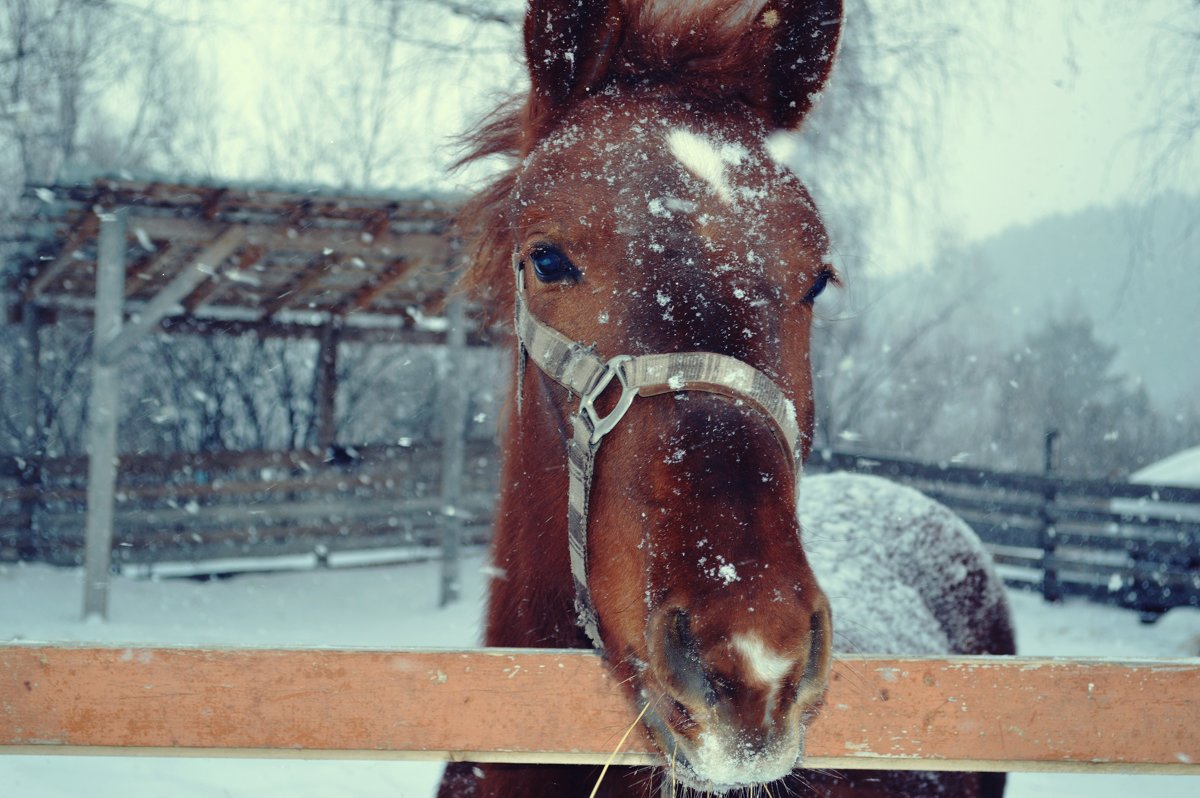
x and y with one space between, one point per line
708 51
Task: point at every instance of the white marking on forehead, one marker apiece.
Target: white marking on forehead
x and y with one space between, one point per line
707 159
766 666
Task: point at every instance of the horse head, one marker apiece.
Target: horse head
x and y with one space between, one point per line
646 217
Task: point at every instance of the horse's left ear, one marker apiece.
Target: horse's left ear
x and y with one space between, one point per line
806 36
568 46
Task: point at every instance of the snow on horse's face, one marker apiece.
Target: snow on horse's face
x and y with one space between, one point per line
652 220
656 222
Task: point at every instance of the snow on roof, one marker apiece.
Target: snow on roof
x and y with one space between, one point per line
1181 469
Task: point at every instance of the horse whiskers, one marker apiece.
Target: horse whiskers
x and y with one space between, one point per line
854 677
647 776
617 750
828 773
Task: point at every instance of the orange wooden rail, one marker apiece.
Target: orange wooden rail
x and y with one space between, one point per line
561 706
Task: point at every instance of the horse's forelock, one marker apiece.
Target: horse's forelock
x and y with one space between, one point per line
697 46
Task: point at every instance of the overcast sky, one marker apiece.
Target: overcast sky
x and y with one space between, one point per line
1060 126
1046 118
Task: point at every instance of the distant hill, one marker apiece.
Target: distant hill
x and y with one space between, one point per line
1134 270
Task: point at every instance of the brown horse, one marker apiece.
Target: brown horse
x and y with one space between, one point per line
661 270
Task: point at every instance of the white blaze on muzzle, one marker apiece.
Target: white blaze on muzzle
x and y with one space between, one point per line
581 371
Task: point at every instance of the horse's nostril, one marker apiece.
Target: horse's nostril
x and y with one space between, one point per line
681 719
816 647
681 655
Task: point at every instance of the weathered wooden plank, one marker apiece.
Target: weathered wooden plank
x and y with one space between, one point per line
508 705
453 400
306 460
428 247
104 413
404 332
994 508
988 480
325 509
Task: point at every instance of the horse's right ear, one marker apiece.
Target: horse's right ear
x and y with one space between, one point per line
568 47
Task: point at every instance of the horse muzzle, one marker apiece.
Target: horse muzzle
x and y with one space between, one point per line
730 711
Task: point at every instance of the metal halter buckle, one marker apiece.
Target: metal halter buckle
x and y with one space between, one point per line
587 404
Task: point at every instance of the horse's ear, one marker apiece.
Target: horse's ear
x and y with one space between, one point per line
806 39
568 46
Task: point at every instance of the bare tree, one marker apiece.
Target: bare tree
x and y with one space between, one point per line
1061 378
1171 136
893 355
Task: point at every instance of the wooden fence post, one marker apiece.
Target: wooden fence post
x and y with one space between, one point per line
326 383
1051 590
453 392
104 413
28 378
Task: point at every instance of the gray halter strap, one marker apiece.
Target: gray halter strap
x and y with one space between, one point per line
585 374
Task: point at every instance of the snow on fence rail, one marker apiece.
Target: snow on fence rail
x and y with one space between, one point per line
507 705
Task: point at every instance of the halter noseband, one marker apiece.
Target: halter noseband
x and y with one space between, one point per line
582 372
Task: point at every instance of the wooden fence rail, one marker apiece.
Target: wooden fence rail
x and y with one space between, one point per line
256 504
562 707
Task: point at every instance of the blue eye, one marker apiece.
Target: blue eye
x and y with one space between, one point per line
823 279
551 265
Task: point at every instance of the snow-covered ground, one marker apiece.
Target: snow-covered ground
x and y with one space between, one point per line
396 606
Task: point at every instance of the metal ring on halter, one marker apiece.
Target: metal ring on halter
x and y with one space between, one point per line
587 405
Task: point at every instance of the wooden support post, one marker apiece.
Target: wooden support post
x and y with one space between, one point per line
1051 590
453 392
104 413
325 384
28 408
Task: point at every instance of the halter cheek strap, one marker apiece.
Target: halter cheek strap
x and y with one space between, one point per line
585 374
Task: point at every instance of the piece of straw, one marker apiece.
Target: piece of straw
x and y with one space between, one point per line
617 750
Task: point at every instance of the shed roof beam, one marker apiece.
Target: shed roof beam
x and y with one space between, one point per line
374 288
66 256
209 291
167 301
308 278
345 241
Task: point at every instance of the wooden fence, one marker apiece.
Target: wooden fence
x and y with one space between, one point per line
526 706
1135 546
224 508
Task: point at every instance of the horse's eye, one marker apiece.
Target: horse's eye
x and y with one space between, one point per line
823 279
551 265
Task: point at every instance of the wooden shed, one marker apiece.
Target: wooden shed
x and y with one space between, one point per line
142 257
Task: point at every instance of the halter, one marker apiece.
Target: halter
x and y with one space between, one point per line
585 374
